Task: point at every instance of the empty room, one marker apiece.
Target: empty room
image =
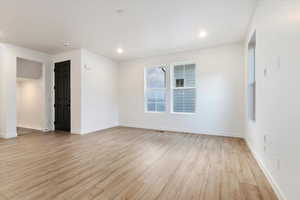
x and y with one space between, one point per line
149 100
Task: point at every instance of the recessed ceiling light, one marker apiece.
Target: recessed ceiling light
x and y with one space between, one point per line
120 51
120 11
202 34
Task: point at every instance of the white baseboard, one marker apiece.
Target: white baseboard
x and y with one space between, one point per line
4 136
37 128
93 131
47 130
31 127
267 173
200 132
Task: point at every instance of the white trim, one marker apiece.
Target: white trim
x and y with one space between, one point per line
183 113
154 112
251 77
279 193
181 88
4 136
184 62
45 93
31 127
221 133
96 131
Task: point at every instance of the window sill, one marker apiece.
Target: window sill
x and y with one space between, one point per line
152 112
183 113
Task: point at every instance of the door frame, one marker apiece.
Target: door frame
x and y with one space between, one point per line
45 90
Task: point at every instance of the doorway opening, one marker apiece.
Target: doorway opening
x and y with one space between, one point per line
30 97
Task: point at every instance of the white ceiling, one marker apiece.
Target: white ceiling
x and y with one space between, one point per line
144 28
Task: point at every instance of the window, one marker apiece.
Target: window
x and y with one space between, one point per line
155 89
184 88
251 77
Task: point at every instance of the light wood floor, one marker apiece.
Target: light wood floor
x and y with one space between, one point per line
124 163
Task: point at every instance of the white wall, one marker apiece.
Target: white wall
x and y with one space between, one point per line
277 25
220 93
29 69
10 53
99 92
30 105
2 124
93 91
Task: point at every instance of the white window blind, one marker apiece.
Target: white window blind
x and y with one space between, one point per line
155 89
184 88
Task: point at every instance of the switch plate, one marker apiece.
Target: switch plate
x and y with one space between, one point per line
265 72
265 139
278 64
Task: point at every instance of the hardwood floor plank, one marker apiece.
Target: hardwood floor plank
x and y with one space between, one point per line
128 163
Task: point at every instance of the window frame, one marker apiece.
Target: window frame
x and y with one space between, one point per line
251 82
146 89
172 88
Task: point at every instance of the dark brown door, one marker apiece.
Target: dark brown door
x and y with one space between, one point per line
62 96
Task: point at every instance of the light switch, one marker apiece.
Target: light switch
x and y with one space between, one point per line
278 63
265 139
87 67
265 72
